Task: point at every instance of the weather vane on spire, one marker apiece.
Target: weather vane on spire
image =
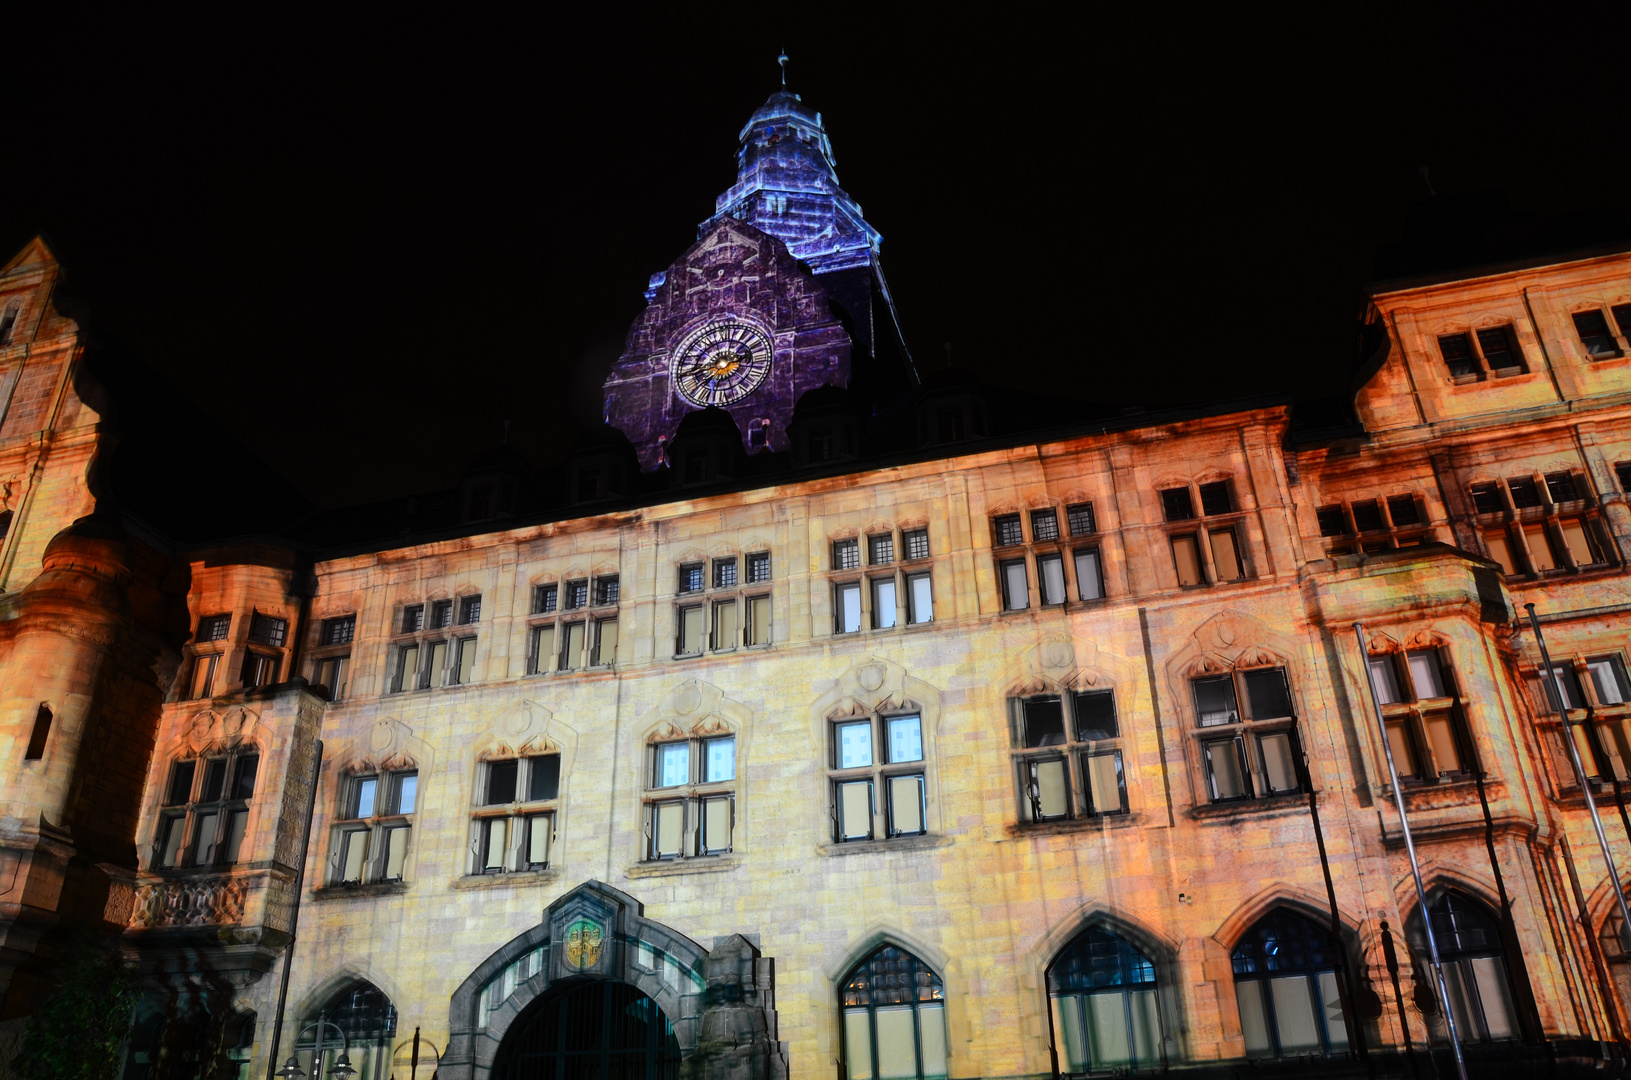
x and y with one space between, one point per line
782 60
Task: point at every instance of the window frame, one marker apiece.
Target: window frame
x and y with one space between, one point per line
520 815
878 774
1533 541
196 803
385 817
1412 719
692 796
1249 735
1204 521
1073 751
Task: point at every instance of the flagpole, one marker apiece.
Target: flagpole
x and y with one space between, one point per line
1410 849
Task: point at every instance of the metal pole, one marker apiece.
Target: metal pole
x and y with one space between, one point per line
1410 849
294 914
1580 773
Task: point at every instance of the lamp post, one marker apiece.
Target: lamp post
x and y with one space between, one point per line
340 1070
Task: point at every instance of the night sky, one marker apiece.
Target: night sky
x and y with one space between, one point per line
363 244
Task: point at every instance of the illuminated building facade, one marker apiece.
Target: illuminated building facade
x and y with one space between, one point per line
888 745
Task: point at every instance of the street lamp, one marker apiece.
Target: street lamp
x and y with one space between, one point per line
340 1070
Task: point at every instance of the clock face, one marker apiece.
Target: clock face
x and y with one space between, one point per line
721 361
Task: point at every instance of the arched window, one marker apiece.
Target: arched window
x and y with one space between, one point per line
367 1019
894 1019
1469 945
1104 1009
1287 982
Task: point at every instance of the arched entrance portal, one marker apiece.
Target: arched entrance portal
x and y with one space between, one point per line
590 1030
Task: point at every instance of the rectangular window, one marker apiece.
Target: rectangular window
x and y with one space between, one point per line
1622 470
464 662
1406 762
1500 350
1384 678
905 739
1441 737
689 640
1009 530
1215 498
1225 772
854 806
717 812
1332 521
1089 578
1622 316
331 675
540 649
724 625
441 614
758 567
605 642
690 578
719 760
1279 762
259 670
883 603
1176 504
543 777
232 842
413 618
1403 510
172 829
501 781
545 598
724 573
204 836
407 668
854 744
1367 515
1426 678
1608 677
267 630
848 608
1578 540
1106 786
919 599
1050 578
1500 551
577 594
1080 519
1268 695
204 675
353 855
1560 486
1044 719
607 589
181 783
1226 556
215 780
572 646
396 852
469 610
1486 498
1540 548
917 543
758 630
540 831
1044 524
1458 355
673 765
1095 715
243 777
846 554
495 836
213 628
881 549
1049 783
338 631
364 790
1564 679
435 664
1186 559
1215 700
1524 491
1595 335
906 805
1016 588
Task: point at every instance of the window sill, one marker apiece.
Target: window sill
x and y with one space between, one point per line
1446 791
1245 807
920 842
1064 826
509 878
369 889
693 864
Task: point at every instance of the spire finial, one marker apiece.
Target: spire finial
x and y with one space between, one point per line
782 60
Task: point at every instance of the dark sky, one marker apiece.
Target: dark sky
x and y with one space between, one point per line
362 244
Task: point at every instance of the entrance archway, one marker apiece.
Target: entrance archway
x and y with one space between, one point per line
590 1030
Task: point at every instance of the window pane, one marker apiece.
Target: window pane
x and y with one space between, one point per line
1367 515
1500 550
1268 694
465 667
544 781
670 828
1254 1024
1067 1023
1215 700
436 663
1456 987
1104 780
931 1026
725 625
906 804
846 554
237 822
1594 334
724 573
1050 795
1425 676
1581 550
849 608
1016 594
1089 585
1224 556
1223 766
1050 572
1402 509
920 590
606 641
1279 766
215 780
243 777
1404 750
1107 1030
204 826
1009 531
1540 548
1044 525
759 620
407 676
905 738
396 852
1176 504
363 797
1384 678
917 544
858 1043
1095 714
1044 722
501 777
673 764
855 745
1495 994
539 829
1294 1014
181 783
170 845
690 641
1186 558
1146 1027
880 549
203 676
855 810
897 1044
716 824
498 831
1331 1000
353 856
572 653
721 760
1081 519
1441 734
883 603
1564 678
1609 677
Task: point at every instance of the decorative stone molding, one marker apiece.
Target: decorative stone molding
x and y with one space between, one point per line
195 902
874 685
389 744
522 729
211 730
695 708
1057 663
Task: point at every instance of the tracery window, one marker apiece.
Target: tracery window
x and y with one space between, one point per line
205 812
1469 946
1288 986
894 1017
368 1020
1105 1014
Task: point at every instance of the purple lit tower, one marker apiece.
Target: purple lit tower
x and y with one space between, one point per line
766 305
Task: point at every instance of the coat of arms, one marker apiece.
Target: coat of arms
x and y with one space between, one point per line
583 940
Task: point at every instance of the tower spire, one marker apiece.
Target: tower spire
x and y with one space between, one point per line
782 60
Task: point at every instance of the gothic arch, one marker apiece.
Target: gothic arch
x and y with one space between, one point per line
875 937
1314 908
354 970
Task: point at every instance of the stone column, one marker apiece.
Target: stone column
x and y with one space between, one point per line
738 1040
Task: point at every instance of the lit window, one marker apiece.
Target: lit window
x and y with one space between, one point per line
1288 976
690 812
894 1019
373 827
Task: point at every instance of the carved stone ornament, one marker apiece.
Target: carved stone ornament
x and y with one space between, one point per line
693 707
208 728
198 902
523 727
876 685
583 941
389 744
